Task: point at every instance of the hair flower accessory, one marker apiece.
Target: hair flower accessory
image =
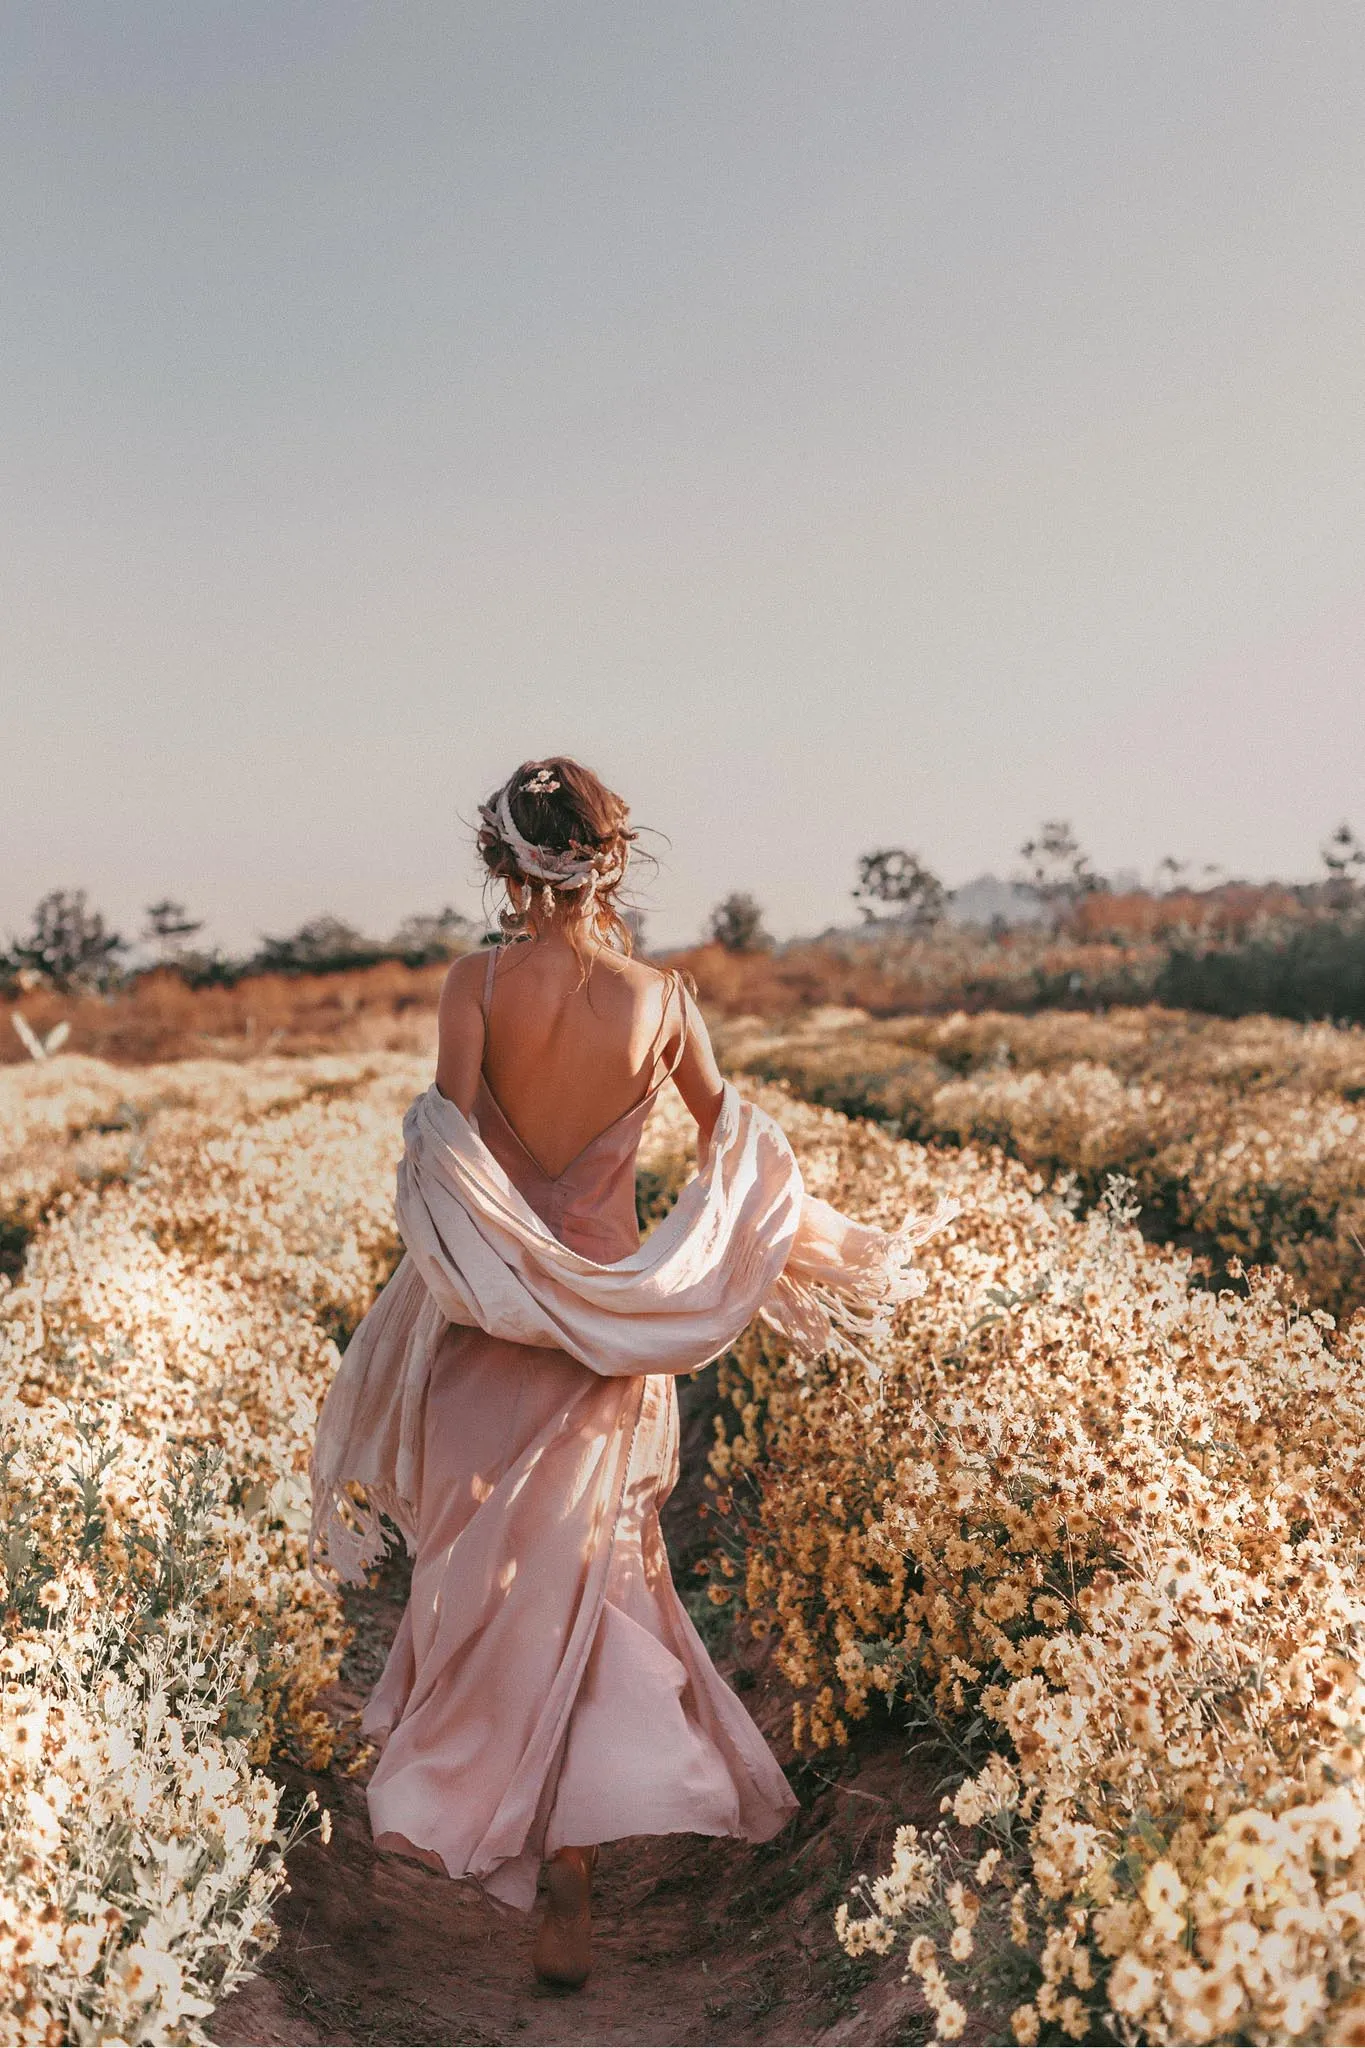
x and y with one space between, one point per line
574 867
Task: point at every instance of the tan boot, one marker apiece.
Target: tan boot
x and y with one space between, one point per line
563 1948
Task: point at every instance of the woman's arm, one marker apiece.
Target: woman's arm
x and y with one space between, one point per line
697 1077
459 1017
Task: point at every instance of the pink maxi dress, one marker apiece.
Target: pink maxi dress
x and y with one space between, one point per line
546 1686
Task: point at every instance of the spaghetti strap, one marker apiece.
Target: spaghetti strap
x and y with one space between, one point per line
675 988
662 1024
686 1031
488 979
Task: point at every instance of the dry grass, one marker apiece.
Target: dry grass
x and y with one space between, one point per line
388 1008
896 977
392 1008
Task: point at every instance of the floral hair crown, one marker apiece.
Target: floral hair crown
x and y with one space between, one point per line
571 867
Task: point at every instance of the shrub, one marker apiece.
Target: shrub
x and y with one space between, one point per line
737 925
1309 969
69 944
321 945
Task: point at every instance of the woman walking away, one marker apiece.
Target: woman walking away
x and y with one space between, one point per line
509 1400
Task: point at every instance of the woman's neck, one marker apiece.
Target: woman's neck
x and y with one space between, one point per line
551 937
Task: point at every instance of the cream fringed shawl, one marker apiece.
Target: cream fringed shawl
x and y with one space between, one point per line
743 1238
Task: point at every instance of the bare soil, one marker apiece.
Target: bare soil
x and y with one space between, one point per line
695 1940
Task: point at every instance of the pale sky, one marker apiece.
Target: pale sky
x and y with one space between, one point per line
840 424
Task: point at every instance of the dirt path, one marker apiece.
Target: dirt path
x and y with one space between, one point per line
696 1940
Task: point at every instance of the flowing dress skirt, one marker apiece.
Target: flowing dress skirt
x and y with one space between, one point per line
546 1686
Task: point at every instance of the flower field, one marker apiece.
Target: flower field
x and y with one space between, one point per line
1103 1533
1098 1530
197 1235
1249 1135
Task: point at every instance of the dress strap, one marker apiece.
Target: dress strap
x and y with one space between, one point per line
675 988
491 970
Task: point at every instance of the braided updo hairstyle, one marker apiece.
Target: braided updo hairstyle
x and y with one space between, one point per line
565 855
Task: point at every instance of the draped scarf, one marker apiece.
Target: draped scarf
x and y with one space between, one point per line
743 1238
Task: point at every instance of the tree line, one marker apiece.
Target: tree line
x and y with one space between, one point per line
894 886
70 946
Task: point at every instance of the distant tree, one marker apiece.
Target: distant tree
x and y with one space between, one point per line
214 969
895 884
1058 874
169 927
737 924
1344 859
1170 874
438 935
321 945
69 944
634 922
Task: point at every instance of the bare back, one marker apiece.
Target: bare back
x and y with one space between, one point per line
566 1057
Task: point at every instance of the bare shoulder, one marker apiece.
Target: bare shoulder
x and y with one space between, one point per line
464 981
644 986
636 974
460 1031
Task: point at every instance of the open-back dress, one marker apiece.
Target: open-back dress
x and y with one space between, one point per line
546 1687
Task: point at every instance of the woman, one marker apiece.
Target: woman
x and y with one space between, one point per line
510 1400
